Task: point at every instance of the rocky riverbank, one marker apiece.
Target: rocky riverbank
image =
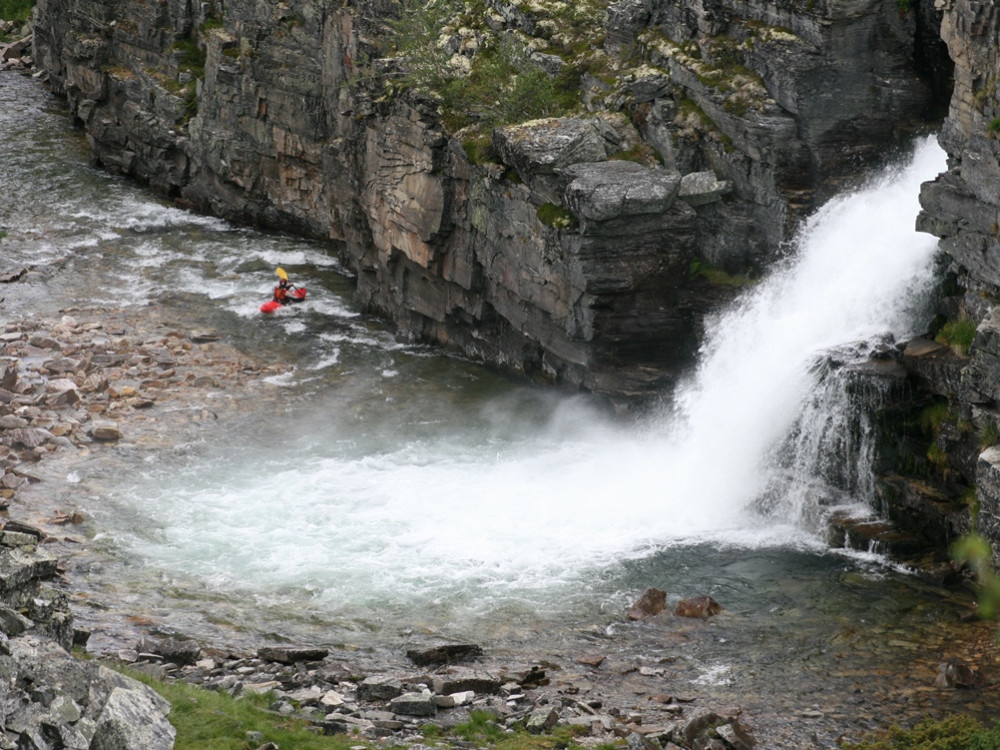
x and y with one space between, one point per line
98 381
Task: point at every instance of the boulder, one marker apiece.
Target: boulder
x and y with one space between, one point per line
956 673
549 145
290 655
457 681
615 189
414 704
541 720
381 687
132 720
105 430
698 606
183 651
701 188
447 654
651 603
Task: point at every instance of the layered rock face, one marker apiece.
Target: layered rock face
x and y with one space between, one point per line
962 207
577 251
52 699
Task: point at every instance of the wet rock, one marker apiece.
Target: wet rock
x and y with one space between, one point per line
698 606
447 654
105 431
9 52
956 673
651 603
288 655
591 660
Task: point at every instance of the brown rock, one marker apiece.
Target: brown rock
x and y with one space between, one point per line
955 673
651 603
591 660
698 606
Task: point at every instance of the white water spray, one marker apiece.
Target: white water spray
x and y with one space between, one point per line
403 498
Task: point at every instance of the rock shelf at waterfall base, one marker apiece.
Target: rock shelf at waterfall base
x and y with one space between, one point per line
99 382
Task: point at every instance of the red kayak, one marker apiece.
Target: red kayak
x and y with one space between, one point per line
298 294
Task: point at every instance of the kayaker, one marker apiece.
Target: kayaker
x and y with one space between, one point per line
281 291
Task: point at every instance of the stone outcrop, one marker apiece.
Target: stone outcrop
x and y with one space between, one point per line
962 207
708 130
50 698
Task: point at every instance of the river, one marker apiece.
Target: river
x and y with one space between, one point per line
391 494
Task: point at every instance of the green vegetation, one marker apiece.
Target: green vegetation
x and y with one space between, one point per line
958 334
210 720
989 435
556 216
994 126
479 149
15 10
701 268
951 733
479 78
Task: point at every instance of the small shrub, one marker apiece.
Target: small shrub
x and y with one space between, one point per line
16 10
958 334
190 57
700 268
556 216
994 126
950 733
933 416
479 149
989 435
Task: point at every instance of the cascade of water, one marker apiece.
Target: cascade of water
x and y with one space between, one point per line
861 271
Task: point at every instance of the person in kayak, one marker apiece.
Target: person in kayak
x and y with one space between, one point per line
281 291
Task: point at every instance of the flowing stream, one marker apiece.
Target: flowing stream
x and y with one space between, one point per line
395 493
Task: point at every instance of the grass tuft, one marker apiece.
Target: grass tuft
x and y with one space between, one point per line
951 733
958 334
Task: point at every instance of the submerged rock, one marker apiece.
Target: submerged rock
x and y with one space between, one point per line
651 603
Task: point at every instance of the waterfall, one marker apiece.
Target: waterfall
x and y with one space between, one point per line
766 399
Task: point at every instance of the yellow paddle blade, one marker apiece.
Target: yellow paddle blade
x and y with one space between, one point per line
281 274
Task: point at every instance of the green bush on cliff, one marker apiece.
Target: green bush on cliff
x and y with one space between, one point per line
958 334
951 733
16 10
556 216
490 83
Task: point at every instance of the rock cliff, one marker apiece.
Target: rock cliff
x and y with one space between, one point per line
50 698
962 207
584 247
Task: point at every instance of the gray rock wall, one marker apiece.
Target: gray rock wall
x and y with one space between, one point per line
284 115
962 207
